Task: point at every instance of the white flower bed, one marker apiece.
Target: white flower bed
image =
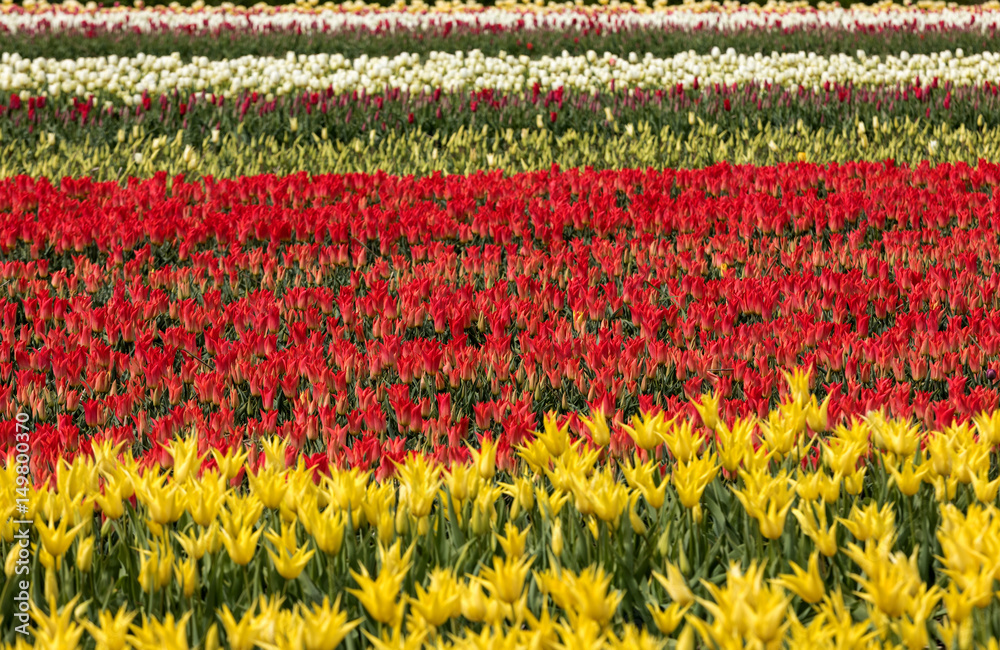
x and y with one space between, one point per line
126 78
208 20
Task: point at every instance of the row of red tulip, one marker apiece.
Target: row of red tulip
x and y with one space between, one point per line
357 314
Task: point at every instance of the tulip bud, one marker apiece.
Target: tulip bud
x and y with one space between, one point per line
212 638
480 521
51 586
72 400
85 554
638 525
402 521
474 603
557 538
187 574
486 459
386 527
686 639
663 544
46 559
10 565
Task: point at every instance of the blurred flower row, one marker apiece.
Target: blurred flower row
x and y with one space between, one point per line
892 539
128 79
528 17
346 116
231 153
54 35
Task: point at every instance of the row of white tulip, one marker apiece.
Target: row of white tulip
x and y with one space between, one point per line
125 79
983 18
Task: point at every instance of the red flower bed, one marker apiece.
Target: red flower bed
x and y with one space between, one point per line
361 316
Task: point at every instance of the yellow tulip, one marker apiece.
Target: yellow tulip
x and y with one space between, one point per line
600 434
420 479
162 500
646 431
205 498
555 438
505 579
437 605
682 441
85 554
56 538
328 531
824 538
739 435
230 462
473 602
111 630
275 453
586 595
168 634
513 540
112 501
325 625
667 620
288 564
909 478
379 595
459 478
245 634
638 525
156 567
269 485
988 425
871 522
798 384
690 479
557 539
195 546
640 477
708 410
958 604
56 629
806 584
675 585
241 544
484 459
817 415
522 492
187 576
186 459
536 454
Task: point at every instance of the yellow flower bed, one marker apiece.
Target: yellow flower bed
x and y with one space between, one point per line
625 146
893 540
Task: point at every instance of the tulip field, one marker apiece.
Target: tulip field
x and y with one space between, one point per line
546 326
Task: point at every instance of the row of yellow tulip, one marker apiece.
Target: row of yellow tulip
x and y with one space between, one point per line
624 146
894 540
